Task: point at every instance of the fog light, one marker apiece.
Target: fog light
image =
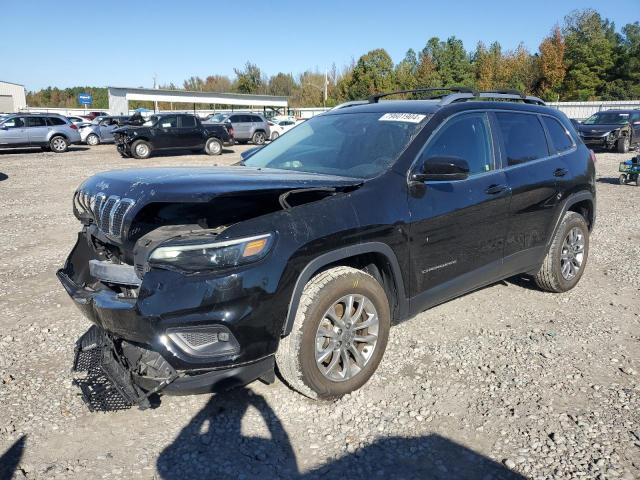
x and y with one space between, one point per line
209 341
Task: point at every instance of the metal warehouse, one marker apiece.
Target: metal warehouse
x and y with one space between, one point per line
13 97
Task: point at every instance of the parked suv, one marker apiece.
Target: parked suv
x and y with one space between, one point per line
48 131
617 130
246 126
171 131
302 256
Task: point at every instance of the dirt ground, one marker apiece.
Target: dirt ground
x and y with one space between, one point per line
506 382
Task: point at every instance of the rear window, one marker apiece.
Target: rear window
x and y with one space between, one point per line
55 121
560 138
523 136
188 122
256 119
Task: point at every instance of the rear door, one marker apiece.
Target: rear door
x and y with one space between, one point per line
14 133
532 171
458 227
38 130
188 133
241 126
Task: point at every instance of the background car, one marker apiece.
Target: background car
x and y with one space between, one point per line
247 127
617 130
48 131
99 131
79 121
278 127
92 115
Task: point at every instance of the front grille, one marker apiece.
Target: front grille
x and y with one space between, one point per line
108 213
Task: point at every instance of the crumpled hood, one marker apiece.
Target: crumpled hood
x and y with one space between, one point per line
201 184
597 129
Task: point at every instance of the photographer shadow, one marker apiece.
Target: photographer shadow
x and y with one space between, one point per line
213 446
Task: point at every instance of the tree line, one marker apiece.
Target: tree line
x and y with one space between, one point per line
583 59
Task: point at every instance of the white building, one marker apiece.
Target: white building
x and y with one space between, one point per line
13 97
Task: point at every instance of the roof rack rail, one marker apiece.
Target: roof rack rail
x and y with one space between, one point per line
375 98
492 95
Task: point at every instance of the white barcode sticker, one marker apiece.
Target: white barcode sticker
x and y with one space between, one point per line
402 117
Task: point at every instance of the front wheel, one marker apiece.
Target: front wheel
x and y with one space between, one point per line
59 144
213 147
274 135
622 145
259 138
141 149
622 179
339 334
567 256
92 139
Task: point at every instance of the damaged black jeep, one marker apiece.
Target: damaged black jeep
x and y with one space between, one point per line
300 257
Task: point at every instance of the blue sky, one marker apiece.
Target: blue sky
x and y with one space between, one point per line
176 39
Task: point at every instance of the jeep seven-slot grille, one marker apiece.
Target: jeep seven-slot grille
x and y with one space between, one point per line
108 213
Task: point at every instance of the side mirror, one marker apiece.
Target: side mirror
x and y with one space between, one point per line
442 169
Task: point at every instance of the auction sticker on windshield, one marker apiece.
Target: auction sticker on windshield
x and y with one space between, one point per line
402 117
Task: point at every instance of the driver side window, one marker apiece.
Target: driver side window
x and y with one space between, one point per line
466 136
168 122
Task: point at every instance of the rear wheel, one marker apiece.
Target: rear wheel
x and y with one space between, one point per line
567 257
213 147
622 145
622 179
141 149
339 335
92 139
259 138
274 135
58 144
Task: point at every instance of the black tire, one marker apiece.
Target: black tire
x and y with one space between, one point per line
92 139
58 144
622 145
141 149
274 136
296 355
259 137
213 147
622 179
550 277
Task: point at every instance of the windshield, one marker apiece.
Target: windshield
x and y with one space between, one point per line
151 121
217 118
607 118
354 145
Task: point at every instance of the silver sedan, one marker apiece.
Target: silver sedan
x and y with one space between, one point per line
100 131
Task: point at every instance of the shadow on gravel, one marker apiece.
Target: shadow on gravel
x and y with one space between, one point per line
182 152
609 180
3 176
10 459
213 446
14 151
524 281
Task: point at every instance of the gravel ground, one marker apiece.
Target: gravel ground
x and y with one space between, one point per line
506 382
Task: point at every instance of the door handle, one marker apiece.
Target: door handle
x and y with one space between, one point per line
560 172
495 189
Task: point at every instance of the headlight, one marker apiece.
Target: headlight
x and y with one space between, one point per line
612 135
200 254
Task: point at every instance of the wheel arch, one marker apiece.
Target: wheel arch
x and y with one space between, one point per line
583 203
375 258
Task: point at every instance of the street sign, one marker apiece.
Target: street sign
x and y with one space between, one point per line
85 99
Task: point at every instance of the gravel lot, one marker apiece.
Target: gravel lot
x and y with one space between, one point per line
506 382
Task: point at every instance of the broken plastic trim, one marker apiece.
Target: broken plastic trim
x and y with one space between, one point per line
109 385
283 197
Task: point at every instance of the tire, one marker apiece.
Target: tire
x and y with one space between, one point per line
259 138
141 149
622 145
58 144
296 355
622 179
92 139
274 136
556 274
213 147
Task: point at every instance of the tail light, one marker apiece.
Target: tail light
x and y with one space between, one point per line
73 126
592 155
230 130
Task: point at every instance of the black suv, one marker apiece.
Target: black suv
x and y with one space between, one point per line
617 130
302 256
171 131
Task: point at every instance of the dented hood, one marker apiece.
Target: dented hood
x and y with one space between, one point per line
202 184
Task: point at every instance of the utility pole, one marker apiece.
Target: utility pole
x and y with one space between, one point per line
155 102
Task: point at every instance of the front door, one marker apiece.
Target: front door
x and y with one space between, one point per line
458 227
14 133
188 133
166 132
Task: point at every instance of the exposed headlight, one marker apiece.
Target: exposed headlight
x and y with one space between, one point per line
200 254
612 135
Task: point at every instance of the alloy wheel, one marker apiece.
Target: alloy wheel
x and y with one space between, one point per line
572 253
58 144
346 337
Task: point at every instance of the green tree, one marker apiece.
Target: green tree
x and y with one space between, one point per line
406 71
282 84
589 54
373 73
194 84
623 80
249 79
452 63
